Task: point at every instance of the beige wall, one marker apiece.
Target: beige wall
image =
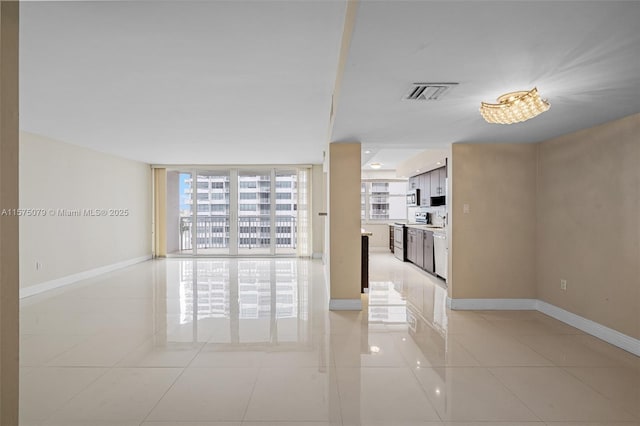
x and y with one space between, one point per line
567 208
494 243
9 283
344 220
588 227
56 175
380 237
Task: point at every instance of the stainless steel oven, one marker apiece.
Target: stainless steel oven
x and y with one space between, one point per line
399 237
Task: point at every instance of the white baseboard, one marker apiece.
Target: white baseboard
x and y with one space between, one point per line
593 328
70 279
345 304
609 335
492 304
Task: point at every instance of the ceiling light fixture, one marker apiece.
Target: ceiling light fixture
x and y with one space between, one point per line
367 152
514 107
375 165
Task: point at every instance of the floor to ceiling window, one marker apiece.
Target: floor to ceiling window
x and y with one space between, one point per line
212 203
236 211
254 212
286 208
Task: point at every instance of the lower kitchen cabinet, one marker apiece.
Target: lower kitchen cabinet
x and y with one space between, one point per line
412 244
427 260
420 248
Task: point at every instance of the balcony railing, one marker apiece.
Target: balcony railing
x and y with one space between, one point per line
211 232
253 232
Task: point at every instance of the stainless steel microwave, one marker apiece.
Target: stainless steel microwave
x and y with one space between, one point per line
413 197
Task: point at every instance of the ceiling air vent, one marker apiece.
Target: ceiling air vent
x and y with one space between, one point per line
428 91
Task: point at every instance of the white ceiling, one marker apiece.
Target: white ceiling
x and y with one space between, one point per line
389 158
583 57
251 82
182 82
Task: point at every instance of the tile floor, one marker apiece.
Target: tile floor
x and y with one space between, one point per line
222 342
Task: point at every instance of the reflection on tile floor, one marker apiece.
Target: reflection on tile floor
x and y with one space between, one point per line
230 342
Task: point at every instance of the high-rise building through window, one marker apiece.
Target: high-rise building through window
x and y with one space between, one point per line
383 201
254 205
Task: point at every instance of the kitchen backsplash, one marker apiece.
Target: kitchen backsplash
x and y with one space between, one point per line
437 215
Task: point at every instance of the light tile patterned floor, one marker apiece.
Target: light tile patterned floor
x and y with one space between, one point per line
231 342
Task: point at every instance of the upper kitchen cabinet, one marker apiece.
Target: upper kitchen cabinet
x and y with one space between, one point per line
432 186
443 180
425 189
438 182
414 183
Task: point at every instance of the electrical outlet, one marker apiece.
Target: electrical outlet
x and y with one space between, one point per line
563 284
465 208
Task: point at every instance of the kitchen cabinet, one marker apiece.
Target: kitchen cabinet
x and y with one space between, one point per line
412 244
420 248
425 189
431 184
427 260
443 180
413 182
438 182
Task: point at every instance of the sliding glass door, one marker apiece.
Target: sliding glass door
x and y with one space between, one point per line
286 207
180 212
254 212
213 210
233 212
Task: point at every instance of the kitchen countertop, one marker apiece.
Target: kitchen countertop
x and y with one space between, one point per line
427 227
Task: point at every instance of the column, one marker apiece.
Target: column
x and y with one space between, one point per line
344 226
9 267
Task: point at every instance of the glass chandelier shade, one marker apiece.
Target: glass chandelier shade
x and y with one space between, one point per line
514 107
